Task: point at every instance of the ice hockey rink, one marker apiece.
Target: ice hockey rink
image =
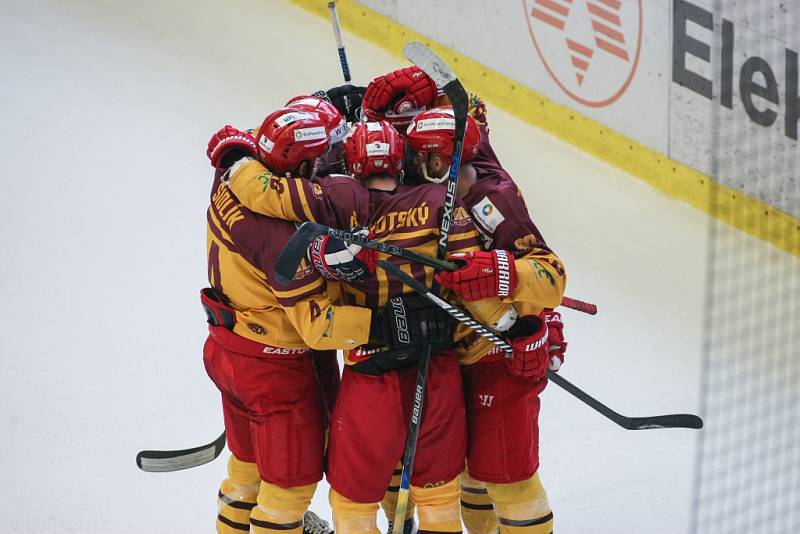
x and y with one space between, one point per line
107 109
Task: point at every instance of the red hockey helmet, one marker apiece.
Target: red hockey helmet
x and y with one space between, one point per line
374 148
288 137
333 119
434 131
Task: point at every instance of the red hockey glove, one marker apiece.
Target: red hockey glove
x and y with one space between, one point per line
484 274
228 146
529 337
555 338
393 96
337 260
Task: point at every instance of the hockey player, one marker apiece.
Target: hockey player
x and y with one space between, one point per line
501 215
401 214
371 166
502 395
326 362
260 331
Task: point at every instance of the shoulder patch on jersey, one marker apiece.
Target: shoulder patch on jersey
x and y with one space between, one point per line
487 214
461 217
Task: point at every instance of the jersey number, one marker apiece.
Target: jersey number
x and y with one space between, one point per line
214 277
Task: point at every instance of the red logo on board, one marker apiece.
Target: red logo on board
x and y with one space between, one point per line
589 47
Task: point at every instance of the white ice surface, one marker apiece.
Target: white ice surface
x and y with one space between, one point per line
107 107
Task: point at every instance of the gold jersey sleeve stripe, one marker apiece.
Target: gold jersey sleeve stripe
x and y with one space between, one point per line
301 195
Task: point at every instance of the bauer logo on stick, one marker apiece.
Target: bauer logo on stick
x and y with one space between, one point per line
590 48
400 320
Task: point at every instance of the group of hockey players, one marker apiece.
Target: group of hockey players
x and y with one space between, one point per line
374 160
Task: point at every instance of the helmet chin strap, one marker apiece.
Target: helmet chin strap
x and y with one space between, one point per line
425 175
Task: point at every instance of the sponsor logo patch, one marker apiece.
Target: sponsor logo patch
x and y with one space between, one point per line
439 123
339 133
257 328
461 217
266 144
303 270
378 149
487 214
310 134
293 116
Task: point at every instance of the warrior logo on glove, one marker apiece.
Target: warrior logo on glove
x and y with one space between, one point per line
503 273
538 343
483 274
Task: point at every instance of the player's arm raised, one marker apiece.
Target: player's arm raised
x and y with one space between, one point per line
255 186
284 190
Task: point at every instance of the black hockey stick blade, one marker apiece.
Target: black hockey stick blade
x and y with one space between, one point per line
167 461
677 420
295 250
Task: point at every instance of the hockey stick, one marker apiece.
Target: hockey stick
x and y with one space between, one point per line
446 81
295 250
579 305
339 44
166 461
629 423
